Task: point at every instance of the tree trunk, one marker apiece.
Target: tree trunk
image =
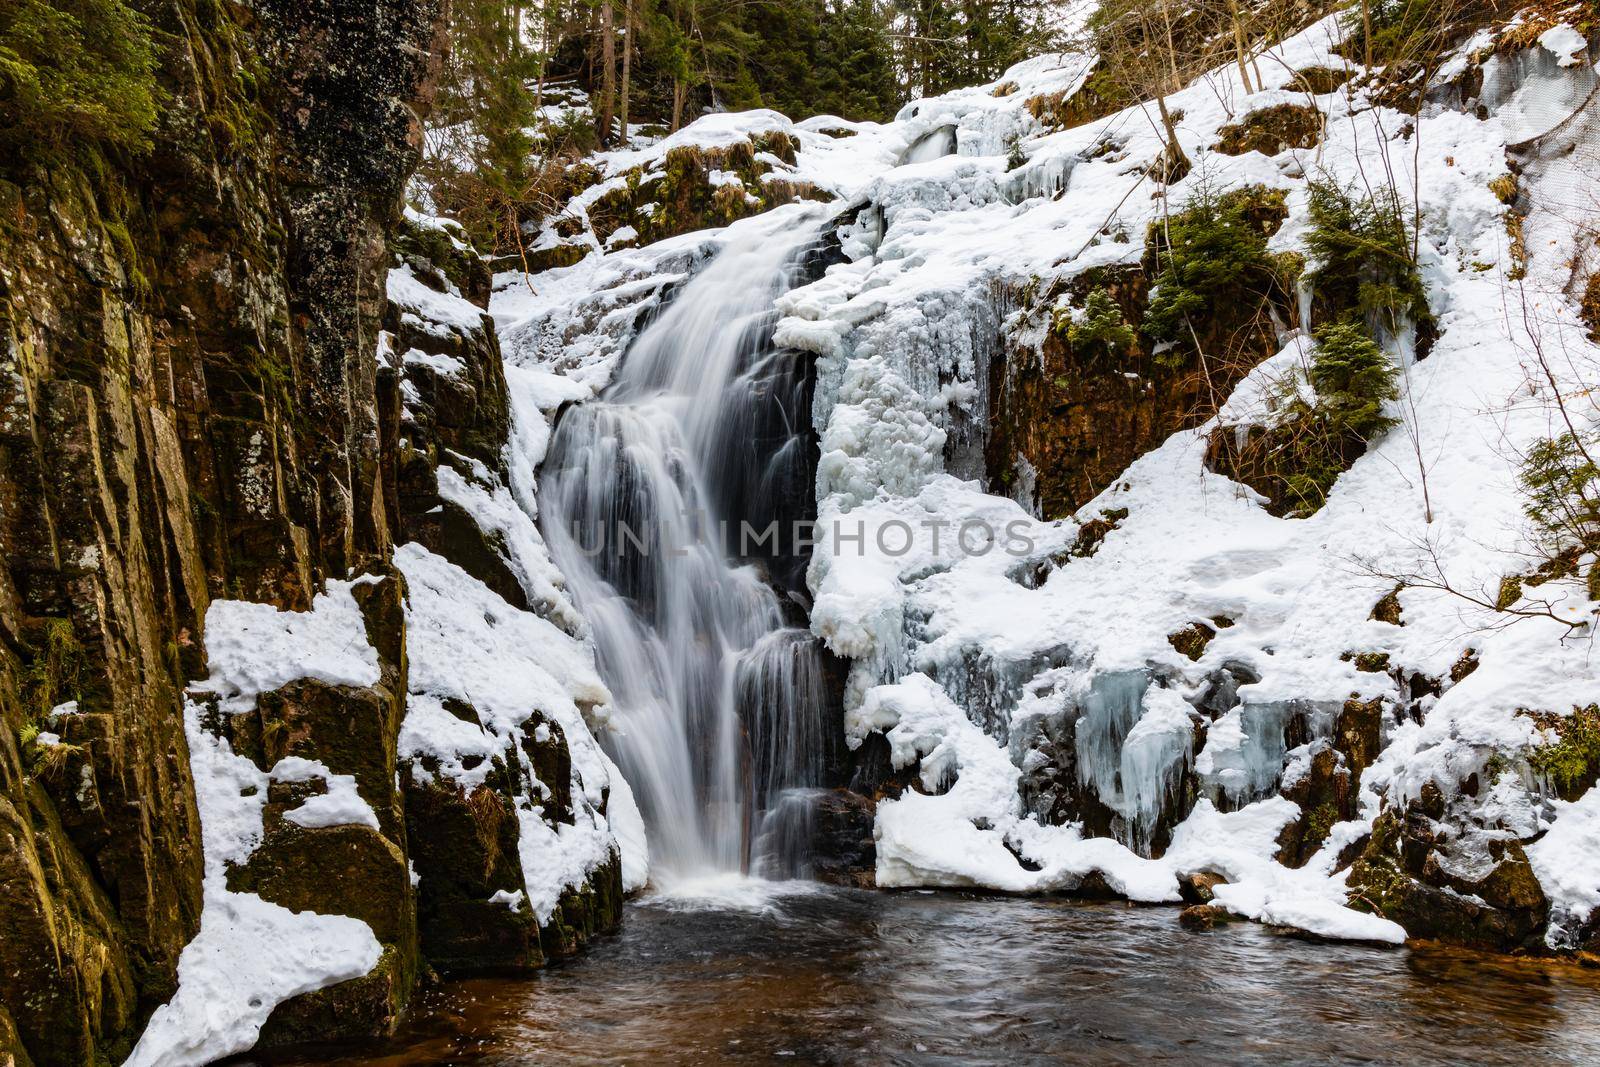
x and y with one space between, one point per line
627 56
1366 33
608 72
1238 43
677 103
1178 163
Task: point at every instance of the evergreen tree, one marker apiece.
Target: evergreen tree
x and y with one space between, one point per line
74 70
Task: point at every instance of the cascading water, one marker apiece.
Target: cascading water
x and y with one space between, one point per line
719 697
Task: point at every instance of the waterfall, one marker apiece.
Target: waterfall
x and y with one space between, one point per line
719 694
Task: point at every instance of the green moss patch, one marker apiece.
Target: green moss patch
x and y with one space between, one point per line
1272 130
1570 762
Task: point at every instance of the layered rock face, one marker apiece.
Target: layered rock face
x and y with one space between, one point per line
196 407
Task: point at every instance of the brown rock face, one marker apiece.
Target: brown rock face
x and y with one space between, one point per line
189 409
1081 412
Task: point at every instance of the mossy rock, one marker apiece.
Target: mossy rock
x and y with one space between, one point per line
587 912
1101 94
1400 876
1272 130
359 1009
1571 762
464 844
1319 80
1326 795
1191 641
1358 734
1387 609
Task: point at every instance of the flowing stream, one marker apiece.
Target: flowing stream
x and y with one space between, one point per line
818 975
657 500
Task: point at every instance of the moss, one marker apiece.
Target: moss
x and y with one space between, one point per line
1570 763
1191 641
1372 662
1387 609
1504 188
56 672
1510 592
1319 80
1271 130
1319 822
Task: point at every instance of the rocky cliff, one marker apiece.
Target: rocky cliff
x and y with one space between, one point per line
204 409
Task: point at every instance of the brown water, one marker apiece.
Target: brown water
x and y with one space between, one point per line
834 976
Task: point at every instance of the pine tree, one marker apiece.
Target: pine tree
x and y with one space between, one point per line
74 70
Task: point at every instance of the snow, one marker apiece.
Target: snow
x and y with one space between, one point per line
250 955
339 805
1565 43
438 362
1567 863
255 648
437 314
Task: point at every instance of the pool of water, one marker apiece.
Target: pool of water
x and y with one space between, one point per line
796 973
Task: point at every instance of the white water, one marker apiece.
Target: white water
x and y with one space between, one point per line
718 693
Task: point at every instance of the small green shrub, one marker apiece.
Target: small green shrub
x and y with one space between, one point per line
1365 270
1353 379
1560 482
75 70
1100 324
1212 253
1296 461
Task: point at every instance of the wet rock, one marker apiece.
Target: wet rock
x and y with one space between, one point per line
463 844
1201 917
1406 874
1197 888
843 849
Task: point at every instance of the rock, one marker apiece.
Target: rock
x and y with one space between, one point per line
1206 916
1326 795
1387 609
1080 416
1404 874
464 847
843 849
1197 888
1191 641
1271 130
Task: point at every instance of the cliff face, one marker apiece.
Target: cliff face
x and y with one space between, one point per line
194 408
